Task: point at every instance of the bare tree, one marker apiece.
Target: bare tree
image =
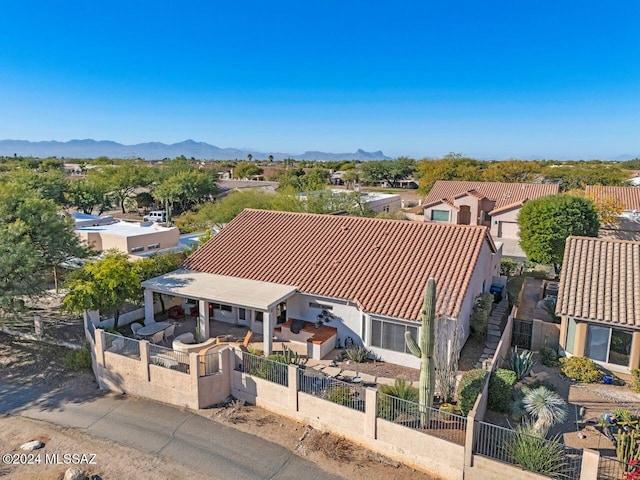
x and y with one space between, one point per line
446 353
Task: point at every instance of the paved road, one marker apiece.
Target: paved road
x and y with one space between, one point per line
192 440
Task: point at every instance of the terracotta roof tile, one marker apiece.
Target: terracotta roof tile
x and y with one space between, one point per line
382 265
503 193
629 196
600 281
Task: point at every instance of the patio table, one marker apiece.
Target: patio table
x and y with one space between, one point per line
149 330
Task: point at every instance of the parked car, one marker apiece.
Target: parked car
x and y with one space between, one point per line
156 216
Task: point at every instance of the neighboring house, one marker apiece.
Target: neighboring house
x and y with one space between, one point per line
599 301
628 226
492 204
373 201
272 270
105 233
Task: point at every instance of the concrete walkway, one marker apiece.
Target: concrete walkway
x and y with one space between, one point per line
494 331
200 444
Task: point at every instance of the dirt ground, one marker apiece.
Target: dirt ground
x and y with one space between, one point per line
26 362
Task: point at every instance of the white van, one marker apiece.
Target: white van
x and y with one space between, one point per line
156 216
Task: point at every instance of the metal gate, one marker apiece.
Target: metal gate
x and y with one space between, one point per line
521 333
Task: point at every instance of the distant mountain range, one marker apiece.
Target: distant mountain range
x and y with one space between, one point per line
156 151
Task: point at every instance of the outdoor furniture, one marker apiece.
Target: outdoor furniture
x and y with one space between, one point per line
169 332
134 329
157 337
149 330
176 312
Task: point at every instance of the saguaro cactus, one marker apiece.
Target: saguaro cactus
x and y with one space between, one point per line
424 351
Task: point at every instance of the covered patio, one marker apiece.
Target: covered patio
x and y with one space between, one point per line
247 303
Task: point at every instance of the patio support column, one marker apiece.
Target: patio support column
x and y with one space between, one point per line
267 340
635 351
149 317
203 320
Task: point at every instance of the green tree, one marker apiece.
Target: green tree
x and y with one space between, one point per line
451 167
545 223
103 285
123 179
185 189
389 171
247 170
87 194
512 171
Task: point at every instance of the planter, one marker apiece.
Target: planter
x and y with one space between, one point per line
447 408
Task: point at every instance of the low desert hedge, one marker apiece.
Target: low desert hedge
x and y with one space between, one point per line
470 387
501 389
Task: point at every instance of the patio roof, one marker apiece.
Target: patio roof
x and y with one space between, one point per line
236 291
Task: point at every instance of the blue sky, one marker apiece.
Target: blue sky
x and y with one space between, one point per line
488 79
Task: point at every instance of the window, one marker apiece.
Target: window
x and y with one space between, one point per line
259 316
390 335
322 307
439 215
224 308
385 208
242 314
609 345
137 249
153 246
571 335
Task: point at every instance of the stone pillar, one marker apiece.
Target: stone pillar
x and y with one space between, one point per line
100 347
149 316
590 462
292 393
635 351
469 439
144 359
370 413
194 375
267 341
580 341
203 320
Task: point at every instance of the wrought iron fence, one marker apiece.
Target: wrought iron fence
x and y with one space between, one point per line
547 457
265 368
522 333
337 391
125 346
209 364
613 469
168 358
431 421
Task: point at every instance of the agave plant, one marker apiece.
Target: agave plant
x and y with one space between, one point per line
546 407
521 362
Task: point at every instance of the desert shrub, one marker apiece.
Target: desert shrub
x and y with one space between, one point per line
549 357
521 362
402 389
546 408
534 453
480 315
288 357
509 267
470 387
357 353
79 359
255 351
581 369
331 446
501 389
635 380
338 394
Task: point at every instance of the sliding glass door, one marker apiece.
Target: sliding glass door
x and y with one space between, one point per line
609 345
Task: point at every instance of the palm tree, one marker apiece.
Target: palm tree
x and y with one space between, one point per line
249 157
270 158
546 407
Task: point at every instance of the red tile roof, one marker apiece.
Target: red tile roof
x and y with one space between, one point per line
629 196
600 281
503 193
382 265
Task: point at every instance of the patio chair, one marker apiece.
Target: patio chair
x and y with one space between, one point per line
134 329
169 332
157 337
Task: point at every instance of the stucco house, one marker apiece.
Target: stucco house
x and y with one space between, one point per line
599 301
278 272
628 226
492 204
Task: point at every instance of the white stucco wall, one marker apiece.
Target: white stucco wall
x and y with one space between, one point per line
348 317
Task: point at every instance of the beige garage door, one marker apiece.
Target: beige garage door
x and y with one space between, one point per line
508 230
